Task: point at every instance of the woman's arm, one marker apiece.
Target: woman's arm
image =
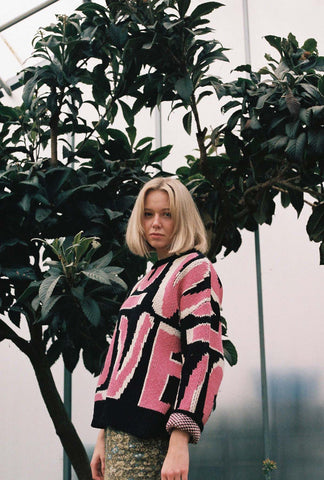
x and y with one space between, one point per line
176 463
200 294
98 458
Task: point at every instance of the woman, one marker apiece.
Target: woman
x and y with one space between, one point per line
164 364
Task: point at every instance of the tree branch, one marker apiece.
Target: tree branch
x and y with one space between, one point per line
201 134
6 333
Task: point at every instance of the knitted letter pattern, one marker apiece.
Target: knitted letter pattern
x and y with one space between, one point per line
164 363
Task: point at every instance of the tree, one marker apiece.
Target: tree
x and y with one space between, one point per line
273 143
51 187
63 171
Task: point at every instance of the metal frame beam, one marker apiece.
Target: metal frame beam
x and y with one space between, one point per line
27 14
264 383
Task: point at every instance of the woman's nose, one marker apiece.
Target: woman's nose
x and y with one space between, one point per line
156 220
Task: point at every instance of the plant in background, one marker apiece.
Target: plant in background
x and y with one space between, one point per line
66 313
272 143
75 298
268 466
63 170
64 167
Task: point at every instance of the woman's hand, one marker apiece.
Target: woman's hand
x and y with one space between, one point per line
98 458
176 463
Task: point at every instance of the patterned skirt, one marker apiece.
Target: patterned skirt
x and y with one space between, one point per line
131 458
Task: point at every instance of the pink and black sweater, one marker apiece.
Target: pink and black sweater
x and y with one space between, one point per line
164 364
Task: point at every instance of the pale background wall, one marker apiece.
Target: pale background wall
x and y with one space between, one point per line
292 277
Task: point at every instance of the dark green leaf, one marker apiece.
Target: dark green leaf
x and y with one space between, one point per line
233 146
103 261
183 6
49 304
127 113
274 42
205 9
285 199
19 273
315 224
143 141
101 85
25 202
319 64
322 253
91 310
310 45
54 352
47 287
296 147
15 316
316 140
112 214
118 35
184 88
277 143
265 208
42 213
9 112
99 275
297 200
187 122
28 91
243 68
131 131
311 91
70 352
117 135
230 352
31 290
160 154
234 118
229 105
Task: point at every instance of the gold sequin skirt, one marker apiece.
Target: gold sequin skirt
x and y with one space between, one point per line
131 458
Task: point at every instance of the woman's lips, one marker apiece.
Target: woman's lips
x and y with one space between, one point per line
156 235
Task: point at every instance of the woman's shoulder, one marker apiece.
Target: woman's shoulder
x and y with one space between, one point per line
195 258
192 263
197 266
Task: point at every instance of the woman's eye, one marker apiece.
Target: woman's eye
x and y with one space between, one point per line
167 214
147 214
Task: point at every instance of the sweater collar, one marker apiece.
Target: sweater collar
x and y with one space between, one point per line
171 258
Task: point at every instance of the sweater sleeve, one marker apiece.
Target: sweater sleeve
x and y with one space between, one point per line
200 294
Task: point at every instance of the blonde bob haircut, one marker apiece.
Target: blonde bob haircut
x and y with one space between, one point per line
189 231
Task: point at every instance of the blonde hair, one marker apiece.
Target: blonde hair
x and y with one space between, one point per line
189 231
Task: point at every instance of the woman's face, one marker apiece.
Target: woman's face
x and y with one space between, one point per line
157 222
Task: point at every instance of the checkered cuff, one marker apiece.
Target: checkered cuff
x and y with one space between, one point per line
185 424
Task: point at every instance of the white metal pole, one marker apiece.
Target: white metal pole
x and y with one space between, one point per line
264 384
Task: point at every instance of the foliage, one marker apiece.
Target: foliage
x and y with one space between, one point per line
267 467
90 186
274 144
64 167
62 171
74 300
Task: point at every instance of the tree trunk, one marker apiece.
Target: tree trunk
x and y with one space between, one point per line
54 124
63 425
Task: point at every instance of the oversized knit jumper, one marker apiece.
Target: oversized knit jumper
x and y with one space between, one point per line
164 363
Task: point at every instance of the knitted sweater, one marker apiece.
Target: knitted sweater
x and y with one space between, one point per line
164 363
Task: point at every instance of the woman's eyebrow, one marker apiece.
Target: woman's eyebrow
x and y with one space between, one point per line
163 209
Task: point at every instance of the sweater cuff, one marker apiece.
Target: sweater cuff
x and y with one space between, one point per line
185 424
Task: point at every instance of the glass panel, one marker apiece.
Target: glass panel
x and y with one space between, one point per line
16 41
